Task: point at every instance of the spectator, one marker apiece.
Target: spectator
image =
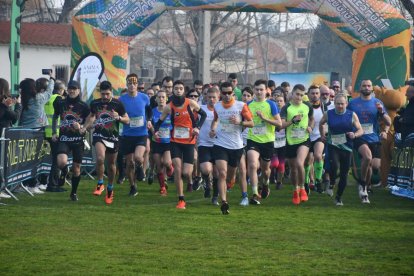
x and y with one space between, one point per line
8 116
35 94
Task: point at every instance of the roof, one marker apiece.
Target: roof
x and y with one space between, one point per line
39 34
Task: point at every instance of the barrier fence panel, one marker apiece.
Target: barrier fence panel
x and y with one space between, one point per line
25 154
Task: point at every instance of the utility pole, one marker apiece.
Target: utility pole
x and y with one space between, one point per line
204 47
14 51
246 60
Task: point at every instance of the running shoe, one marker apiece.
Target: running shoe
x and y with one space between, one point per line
361 191
265 191
303 195
254 200
189 187
365 200
196 183
312 186
307 188
109 198
225 208
133 191
150 179
163 191
99 189
121 179
338 201
244 201
214 200
278 185
296 198
74 197
329 191
180 204
207 192
318 187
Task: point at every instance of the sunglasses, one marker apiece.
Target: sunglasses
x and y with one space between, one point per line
335 86
193 96
227 93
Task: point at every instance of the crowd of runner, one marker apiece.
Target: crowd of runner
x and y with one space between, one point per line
210 135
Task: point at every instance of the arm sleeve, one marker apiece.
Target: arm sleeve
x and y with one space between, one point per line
148 112
203 116
45 96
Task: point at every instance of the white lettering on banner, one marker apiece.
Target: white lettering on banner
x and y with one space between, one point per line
362 18
125 11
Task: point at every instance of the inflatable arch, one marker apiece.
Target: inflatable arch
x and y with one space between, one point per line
379 35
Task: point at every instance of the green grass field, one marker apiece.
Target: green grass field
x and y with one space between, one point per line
50 235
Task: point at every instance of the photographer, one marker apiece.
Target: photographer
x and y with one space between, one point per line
8 116
35 94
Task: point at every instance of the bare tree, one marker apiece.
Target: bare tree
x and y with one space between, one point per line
67 9
228 32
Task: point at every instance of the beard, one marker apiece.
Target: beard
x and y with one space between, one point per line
366 92
178 100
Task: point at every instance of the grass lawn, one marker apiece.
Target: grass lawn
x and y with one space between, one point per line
50 235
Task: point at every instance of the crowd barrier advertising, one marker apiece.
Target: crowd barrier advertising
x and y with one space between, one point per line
27 154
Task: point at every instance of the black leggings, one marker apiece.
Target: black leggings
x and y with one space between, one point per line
341 159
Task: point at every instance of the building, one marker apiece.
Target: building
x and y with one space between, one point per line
43 46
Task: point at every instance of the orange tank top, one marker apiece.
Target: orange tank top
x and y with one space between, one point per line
182 121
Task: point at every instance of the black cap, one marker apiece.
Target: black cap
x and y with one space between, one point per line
73 84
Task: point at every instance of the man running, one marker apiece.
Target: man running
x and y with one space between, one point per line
230 116
370 111
72 112
106 114
134 134
297 118
260 139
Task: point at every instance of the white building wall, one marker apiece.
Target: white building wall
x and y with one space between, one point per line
33 59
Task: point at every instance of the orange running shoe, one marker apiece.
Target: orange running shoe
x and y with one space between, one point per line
181 204
296 198
109 197
303 195
163 191
99 189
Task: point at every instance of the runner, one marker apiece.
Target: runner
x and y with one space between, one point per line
297 118
106 114
277 162
260 140
160 147
72 113
369 111
342 124
134 134
183 136
230 116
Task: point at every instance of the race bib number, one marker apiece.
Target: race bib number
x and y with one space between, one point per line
182 132
368 128
280 142
136 121
298 133
108 144
164 132
227 126
259 129
338 139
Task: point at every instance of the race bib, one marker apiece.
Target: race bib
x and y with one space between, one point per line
368 128
136 121
298 133
338 139
259 129
164 132
280 142
108 144
227 126
182 132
